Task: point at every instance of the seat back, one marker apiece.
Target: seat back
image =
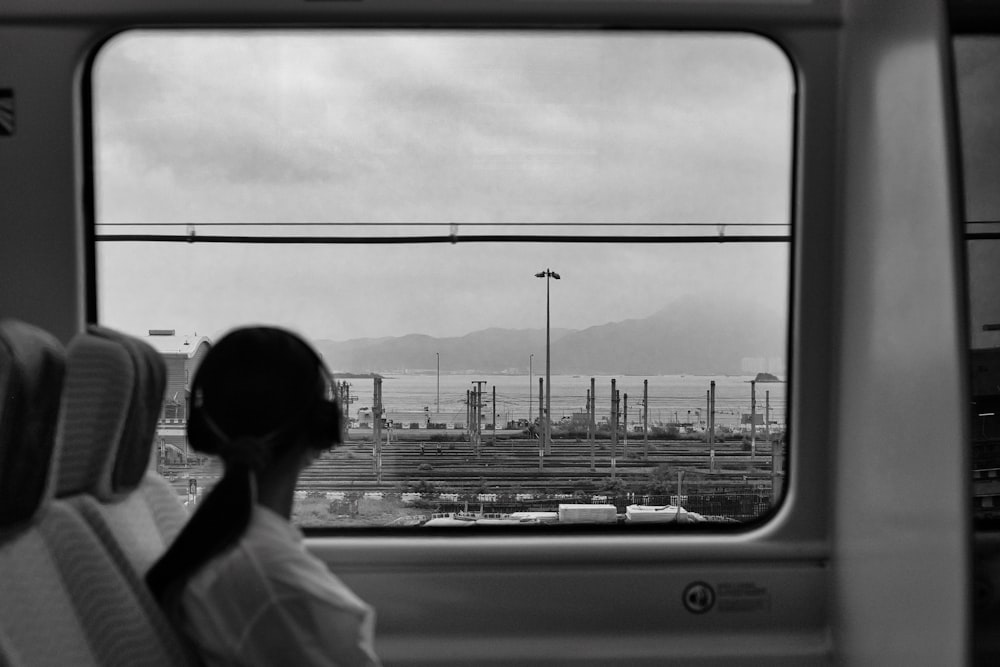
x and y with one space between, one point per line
63 600
114 390
31 580
32 365
131 473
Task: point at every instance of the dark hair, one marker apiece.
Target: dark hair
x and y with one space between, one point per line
255 387
257 392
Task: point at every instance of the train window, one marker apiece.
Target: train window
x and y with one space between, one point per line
549 269
977 64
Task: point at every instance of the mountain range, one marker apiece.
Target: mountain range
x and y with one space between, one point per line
685 337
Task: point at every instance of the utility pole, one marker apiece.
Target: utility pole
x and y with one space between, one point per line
625 420
767 419
548 274
541 403
437 400
777 454
478 412
645 419
494 415
711 428
345 398
591 424
753 419
708 407
477 417
588 417
614 427
377 428
590 443
541 436
548 370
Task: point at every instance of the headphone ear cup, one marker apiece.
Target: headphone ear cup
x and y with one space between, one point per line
327 425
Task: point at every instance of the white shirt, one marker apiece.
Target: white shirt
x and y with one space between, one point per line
267 601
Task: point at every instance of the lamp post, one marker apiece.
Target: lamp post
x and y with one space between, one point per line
547 443
437 399
530 357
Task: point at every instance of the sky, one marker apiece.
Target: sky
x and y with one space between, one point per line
434 132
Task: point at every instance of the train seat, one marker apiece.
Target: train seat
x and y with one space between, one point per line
62 599
31 378
111 401
132 473
114 390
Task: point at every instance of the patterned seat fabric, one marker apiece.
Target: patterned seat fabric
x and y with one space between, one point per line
111 402
131 471
31 375
114 389
63 600
33 599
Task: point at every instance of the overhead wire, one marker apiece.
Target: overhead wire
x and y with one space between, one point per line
191 234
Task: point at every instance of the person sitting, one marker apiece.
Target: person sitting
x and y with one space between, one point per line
238 581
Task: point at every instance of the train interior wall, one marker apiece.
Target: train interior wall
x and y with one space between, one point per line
867 562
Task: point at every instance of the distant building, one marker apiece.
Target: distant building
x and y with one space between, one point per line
182 354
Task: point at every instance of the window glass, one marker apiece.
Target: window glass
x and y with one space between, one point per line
977 64
451 217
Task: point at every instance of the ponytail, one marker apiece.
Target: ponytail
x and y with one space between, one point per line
220 521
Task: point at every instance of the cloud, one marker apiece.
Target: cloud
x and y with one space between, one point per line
450 127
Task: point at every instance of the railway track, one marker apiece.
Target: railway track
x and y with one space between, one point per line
511 464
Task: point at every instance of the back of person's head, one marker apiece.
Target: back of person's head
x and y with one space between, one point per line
259 393
260 389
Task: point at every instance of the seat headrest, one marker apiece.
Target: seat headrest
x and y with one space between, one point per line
135 445
32 366
100 380
113 397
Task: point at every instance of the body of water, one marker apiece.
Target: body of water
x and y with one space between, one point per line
670 397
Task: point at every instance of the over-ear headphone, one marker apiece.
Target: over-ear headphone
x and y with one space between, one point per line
326 421
319 418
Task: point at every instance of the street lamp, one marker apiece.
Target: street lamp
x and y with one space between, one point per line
530 357
547 446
